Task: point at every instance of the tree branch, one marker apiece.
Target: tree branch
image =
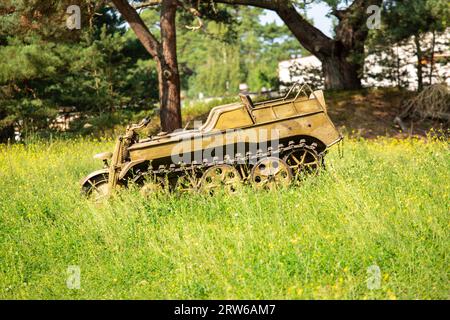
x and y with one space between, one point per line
264 4
352 30
139 27
314 40
194 12
150 3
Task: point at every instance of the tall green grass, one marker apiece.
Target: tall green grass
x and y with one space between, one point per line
385 204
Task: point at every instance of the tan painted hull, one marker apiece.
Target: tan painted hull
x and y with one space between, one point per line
236 124
236 131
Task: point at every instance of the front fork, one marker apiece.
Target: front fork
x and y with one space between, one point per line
114 167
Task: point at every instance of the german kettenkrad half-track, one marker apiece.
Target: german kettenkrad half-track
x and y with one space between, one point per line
265 144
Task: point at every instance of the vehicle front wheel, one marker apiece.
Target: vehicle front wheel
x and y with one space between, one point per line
96 187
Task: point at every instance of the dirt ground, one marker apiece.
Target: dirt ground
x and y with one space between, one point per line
371 113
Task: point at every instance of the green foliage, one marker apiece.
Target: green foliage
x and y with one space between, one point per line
385 204
95 74
404 19
218 58
193 110
47 19
103 67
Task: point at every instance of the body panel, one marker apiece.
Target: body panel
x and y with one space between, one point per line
316 124
237 123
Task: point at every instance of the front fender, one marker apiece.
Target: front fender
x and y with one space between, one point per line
93 174
128 166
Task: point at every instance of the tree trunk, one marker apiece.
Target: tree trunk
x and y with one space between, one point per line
419 55
169 77
339 71
433 48
164 54
7 133
339 74
397 66
342 57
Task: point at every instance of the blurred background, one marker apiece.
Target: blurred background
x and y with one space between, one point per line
60 80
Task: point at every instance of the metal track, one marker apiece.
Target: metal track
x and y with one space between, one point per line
244 162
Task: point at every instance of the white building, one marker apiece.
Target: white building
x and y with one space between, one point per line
286 68
402 71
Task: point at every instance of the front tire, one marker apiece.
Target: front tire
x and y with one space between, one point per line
96 187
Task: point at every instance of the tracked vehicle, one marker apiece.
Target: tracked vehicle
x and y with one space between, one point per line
266 144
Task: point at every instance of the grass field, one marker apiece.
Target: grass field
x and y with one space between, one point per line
384 205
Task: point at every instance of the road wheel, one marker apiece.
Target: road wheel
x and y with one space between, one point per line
220 176
271 173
